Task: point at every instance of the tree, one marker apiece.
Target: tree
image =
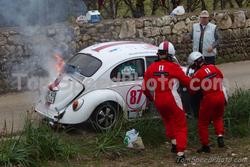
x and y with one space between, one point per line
137 8
166 5
215 2
113 8
239 3
110 8
155 6
174 3
203 5
91 4
189 5
171 4
223 4
194 5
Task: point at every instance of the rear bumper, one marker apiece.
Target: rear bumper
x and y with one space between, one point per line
49 112
64 116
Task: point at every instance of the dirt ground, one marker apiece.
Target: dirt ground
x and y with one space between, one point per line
13 107
235 154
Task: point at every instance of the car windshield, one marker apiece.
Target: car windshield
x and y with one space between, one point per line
85 64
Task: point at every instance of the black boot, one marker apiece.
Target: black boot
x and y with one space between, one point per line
220 141
204 149
180 159
174 149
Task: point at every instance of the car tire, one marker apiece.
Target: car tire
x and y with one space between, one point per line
106 116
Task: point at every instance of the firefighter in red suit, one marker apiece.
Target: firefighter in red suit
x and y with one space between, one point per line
208 79
161 81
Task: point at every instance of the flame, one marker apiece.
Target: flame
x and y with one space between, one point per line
59 63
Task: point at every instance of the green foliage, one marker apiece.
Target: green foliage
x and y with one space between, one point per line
123 10
151 130
46 144
34 146
110 142
12 152
237 114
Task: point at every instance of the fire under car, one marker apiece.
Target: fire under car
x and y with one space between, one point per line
99 84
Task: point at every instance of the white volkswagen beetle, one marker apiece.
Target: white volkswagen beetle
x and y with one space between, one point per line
98 84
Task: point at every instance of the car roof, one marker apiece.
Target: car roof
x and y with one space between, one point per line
117 51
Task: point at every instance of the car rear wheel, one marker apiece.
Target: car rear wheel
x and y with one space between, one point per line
105 116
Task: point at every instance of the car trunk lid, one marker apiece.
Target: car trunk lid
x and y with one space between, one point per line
62 91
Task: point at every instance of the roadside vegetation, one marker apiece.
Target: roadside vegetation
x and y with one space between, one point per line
237 115
140 8
40 145
36 144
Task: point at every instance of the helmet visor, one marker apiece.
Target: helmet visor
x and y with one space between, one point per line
162 52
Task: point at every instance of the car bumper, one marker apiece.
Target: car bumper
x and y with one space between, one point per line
49 112
64 116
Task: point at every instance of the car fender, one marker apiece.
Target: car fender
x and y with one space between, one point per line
90 101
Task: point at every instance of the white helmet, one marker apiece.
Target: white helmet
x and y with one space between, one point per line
166 48
195 56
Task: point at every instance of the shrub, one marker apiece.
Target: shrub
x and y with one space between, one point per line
151 130
110 141
36 144
12 152
45 143
237 114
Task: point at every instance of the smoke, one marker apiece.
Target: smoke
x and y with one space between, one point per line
44 31
38 12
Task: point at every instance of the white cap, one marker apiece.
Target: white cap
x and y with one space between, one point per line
204 13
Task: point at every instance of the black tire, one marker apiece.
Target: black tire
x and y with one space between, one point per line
106 116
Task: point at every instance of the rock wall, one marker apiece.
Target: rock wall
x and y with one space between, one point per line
30 49
234 29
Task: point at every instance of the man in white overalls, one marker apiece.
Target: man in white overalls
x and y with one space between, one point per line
205 38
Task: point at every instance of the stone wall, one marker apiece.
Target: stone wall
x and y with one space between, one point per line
234 28
29 49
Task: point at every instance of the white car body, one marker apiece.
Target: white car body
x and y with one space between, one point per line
97 89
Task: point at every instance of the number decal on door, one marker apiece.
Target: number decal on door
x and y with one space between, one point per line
135 98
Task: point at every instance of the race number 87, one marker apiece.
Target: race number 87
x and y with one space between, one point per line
135 96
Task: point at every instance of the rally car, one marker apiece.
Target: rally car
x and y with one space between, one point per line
100 83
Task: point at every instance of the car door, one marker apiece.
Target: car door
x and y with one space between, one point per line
150 60
150 110
127 79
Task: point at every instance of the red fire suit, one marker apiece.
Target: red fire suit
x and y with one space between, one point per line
162 78
209 80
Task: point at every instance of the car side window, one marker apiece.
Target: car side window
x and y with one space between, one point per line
150 60
128 71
